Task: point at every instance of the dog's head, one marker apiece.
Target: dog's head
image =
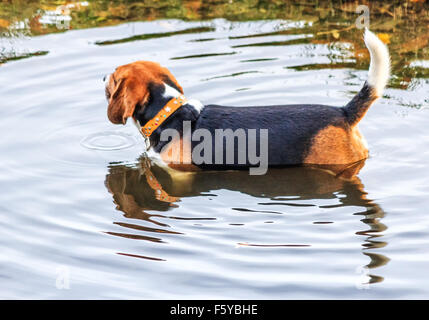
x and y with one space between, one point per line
131 88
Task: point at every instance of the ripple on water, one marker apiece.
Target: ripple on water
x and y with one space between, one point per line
108 140
74 150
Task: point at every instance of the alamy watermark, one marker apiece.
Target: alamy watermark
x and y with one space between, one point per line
225 147
62 280
363 20
362 283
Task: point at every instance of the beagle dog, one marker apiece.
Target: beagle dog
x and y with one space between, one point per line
296 134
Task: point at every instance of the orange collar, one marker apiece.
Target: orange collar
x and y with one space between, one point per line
163 115
160 194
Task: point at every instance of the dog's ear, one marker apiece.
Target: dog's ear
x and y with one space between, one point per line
128 93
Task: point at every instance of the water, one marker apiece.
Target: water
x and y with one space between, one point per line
85 215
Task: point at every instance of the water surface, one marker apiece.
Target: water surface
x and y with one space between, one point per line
79 198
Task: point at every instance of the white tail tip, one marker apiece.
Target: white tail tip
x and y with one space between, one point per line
379 68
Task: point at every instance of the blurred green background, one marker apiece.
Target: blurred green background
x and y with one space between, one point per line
403 25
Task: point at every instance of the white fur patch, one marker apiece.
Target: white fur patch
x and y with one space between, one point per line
106 79
196 104
155 157
379 68
170 92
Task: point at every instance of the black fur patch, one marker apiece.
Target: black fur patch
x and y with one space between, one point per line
359 105
290 128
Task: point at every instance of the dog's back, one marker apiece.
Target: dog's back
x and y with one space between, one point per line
290 129
304 134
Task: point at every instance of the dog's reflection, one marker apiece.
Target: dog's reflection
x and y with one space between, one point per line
149 187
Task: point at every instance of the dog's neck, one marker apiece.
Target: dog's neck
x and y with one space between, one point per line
160 96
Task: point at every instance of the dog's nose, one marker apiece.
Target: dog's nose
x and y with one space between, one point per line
104 78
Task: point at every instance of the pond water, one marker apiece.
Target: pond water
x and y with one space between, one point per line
84 214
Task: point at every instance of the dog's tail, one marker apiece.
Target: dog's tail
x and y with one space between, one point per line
378 75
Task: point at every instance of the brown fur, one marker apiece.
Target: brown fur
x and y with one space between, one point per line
177 154
129 86
337 145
